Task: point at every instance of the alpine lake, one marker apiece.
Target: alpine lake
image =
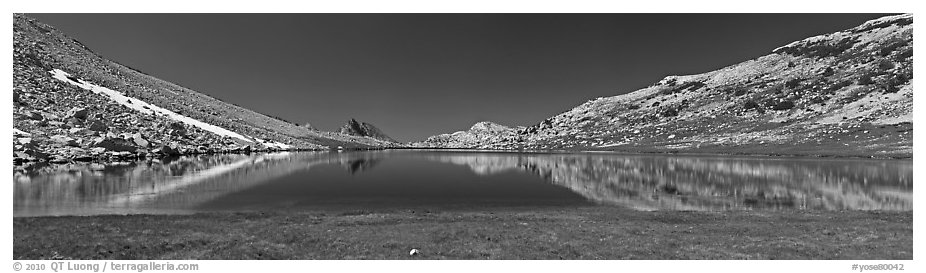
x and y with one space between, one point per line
464 204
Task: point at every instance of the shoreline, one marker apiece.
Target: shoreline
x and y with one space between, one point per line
119 158
582 232
661 152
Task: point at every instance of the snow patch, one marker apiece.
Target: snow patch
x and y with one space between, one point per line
17 132
142 106
273 144
611 145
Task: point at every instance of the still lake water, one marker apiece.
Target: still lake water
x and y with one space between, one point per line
403 179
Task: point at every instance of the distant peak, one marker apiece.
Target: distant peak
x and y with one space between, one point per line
488 126
357 128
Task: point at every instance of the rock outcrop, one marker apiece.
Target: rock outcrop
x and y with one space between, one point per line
363 129
483 135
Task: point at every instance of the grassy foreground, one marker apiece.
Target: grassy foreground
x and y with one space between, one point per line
507 233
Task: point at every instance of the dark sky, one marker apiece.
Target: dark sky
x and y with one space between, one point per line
416 75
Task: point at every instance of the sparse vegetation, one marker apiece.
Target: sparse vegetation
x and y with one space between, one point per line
904 55
739 91
866 79
885 64
598 232
793 83
893 84
688 86
819 49
836 87
781 105
887 50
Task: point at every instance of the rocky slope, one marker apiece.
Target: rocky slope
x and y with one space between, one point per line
844 93
483 135
363 129
71 104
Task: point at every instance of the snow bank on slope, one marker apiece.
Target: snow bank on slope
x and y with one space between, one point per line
142 106
273 144
17 132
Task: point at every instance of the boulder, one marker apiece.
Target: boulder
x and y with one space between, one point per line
176 125
139 140
82 158
64 140
34 115
58 159
78 113
50 116
176 133
77 131
26 142
171 149
36 154
20 157
113 144
98 126
121 154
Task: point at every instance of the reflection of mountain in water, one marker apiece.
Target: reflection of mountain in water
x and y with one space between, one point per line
159 186
635 181
359 165
713 183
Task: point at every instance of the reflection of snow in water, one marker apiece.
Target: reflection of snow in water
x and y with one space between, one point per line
142 194
138 187
643 182
139 195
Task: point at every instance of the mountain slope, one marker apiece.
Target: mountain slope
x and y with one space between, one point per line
363 129
73 104
845 93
